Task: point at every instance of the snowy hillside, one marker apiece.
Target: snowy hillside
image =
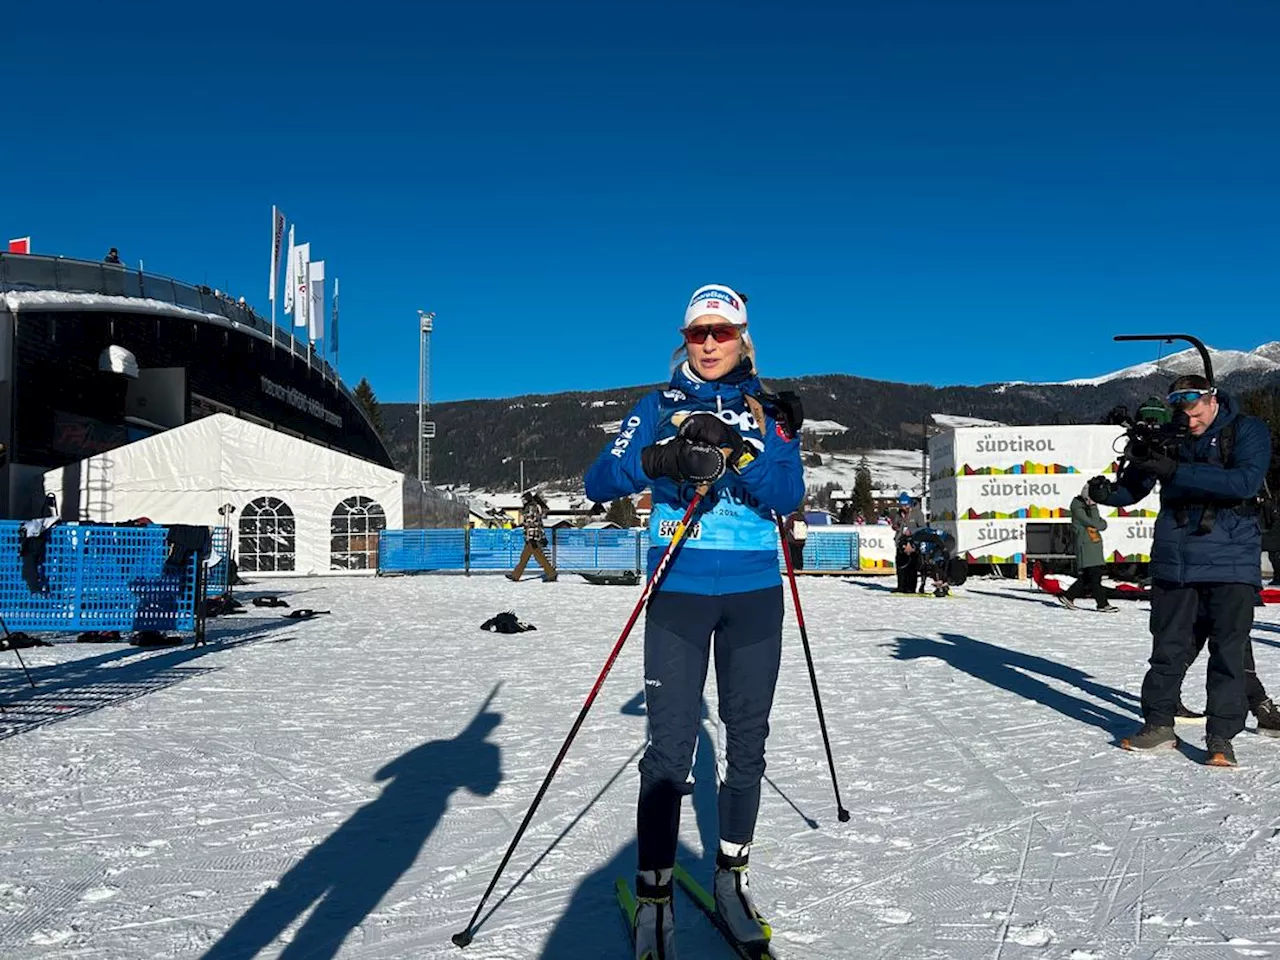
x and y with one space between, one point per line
345 787
891 470
1263 360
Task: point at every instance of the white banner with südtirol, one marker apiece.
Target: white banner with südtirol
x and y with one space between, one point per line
1128 539
1019 496
1026 450
988 541
876 548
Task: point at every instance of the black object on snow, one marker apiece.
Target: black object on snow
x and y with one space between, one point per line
506 622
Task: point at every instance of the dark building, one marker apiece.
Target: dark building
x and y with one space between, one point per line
95 355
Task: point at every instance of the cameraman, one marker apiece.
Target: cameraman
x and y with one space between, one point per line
1206 555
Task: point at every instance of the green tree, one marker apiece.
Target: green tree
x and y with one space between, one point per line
863 502
623 512
369 401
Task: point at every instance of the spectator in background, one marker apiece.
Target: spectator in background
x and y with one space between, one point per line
797 531
1269 517
1087 520
113 256
533 512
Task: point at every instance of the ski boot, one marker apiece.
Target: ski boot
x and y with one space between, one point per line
655 928
1268 717
1219 752
1151 737
733 897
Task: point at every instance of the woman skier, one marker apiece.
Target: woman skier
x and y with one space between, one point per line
708 427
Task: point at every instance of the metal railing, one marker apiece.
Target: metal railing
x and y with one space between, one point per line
22 273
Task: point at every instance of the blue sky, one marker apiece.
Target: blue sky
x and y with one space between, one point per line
932 192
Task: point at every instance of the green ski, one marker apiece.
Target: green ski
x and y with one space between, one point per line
707 904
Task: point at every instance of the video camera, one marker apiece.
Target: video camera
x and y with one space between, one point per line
1149 438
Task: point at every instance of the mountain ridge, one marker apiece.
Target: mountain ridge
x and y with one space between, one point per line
558 435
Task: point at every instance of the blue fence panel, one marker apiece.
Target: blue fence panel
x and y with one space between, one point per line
218 577
597 549
408 551
831 551
96 578
496 549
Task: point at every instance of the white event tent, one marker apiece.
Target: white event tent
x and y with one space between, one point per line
299 507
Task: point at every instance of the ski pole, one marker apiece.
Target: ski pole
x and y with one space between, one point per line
677 535
841 812
6 642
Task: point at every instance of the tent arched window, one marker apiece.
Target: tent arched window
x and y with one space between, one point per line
353 534
268 536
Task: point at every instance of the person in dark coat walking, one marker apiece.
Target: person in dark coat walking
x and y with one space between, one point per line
1206 559
1086 520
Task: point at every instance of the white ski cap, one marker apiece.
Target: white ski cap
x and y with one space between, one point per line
717 300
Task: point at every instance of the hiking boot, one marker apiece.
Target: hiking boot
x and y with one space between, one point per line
1066 601
655 929
1220 753
1268 717
1187 715
1108 608
1151 737
733 900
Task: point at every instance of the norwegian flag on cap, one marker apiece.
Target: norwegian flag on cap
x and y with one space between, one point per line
718 300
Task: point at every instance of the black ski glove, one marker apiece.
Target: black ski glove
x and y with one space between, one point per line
709 429
1159 465
681 460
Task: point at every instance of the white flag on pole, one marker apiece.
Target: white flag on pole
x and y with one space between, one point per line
315 286
290 270
277 236
302 300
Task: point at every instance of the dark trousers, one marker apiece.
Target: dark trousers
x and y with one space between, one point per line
1089 584
1254 691
1227 611
796 549
1273 558
908 569
678 634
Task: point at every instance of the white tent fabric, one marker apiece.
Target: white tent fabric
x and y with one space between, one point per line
299 507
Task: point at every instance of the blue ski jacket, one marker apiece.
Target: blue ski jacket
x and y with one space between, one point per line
733 545
1231 552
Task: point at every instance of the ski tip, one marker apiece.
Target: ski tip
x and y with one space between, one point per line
462 939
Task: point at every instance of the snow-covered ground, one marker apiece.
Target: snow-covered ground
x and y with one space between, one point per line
376 762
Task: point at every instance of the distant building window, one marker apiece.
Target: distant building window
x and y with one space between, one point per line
353 534
268 534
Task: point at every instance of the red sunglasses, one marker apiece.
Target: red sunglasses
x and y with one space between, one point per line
720 332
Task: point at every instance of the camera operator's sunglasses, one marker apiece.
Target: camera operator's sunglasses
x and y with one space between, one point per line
720 332
1184 398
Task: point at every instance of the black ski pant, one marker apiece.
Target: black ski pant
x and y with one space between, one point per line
1254 691
908 568
1089 584
796 549
1228 614
1273 558
678 634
